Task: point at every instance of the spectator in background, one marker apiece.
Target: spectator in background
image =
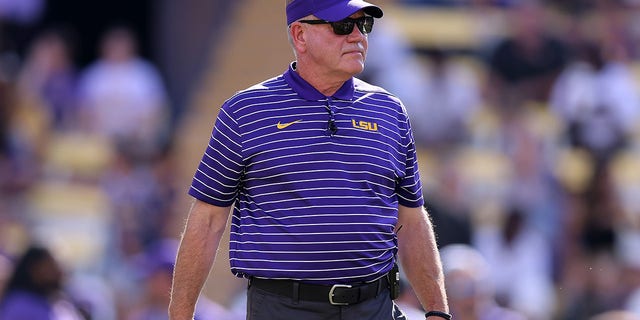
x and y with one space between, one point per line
35 289
49 74
406 77
139 200
156 283
532 185
141 194
449 211
594 278
598 284
452 97
440 95
156 268
523 66
597 97
469 285
520 261
122 95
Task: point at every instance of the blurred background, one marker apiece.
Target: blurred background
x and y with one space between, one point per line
526 116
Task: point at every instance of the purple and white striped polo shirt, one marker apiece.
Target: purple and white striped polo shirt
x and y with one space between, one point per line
311 204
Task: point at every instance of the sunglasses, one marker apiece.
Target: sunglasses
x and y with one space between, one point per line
345 27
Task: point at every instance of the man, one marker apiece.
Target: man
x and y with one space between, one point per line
35 290
321 171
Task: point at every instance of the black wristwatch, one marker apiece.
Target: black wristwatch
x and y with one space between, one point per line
440 314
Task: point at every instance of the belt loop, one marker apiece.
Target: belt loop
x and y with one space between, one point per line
296 292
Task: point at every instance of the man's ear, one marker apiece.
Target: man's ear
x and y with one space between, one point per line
298 37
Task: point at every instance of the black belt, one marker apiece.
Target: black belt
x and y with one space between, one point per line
337 294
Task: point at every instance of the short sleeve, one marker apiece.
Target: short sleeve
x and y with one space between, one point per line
219 173
409 188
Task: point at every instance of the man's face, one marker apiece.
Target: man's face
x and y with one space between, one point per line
342 56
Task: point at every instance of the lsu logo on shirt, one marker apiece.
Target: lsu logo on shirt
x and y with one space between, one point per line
364 125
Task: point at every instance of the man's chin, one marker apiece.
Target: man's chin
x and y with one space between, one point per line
356 68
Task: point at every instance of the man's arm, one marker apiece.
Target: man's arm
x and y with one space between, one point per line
196 254
420 258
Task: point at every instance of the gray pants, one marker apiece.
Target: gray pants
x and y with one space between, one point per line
262 305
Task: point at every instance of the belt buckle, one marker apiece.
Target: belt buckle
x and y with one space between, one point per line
331 294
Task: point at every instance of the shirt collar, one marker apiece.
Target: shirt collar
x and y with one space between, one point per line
308 92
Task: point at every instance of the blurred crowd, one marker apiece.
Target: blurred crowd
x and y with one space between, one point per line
86 176
529 147
530 153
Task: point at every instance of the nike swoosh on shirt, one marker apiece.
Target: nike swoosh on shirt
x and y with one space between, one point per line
284 125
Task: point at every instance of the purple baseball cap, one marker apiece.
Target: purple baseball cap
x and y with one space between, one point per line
329 10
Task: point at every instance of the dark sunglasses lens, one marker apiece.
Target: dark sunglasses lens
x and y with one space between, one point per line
342 27
365 24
